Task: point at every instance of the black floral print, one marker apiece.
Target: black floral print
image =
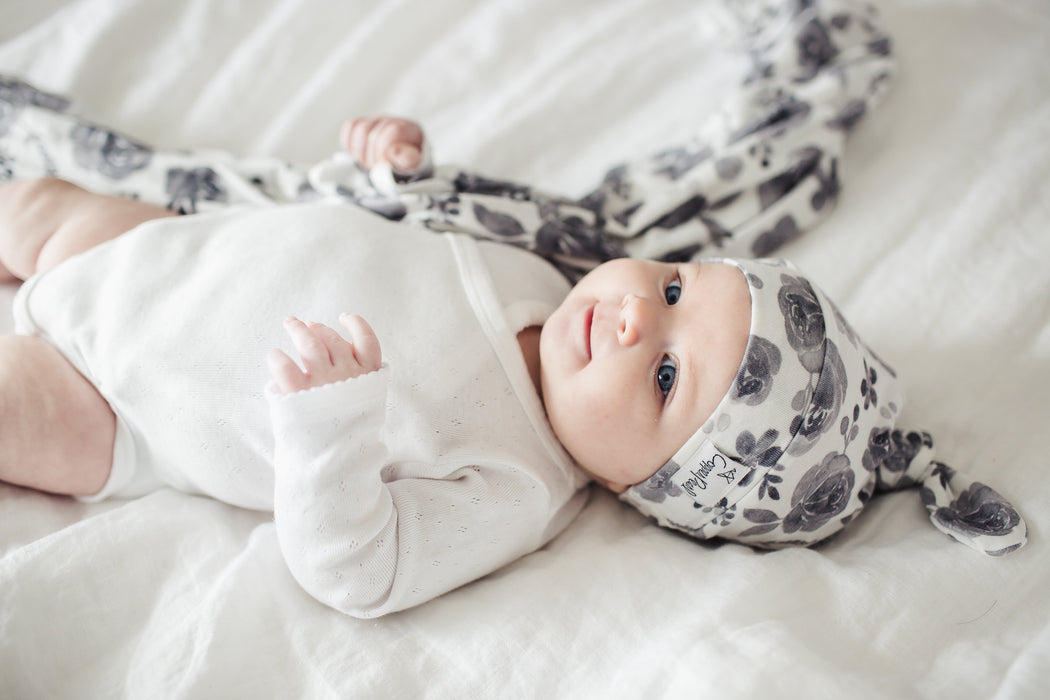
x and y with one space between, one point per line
722 512
878 447
188 187
761 363
676 162
803 321
892 454
824 404
767 521
815 48
867 386
760 451
978 511
763 454
805 163
659 487
108 152
497 223
822 494
783 232
15 95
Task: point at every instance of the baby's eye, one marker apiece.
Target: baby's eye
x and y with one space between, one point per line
666 374
673 292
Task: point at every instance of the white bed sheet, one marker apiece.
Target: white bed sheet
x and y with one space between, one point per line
938 252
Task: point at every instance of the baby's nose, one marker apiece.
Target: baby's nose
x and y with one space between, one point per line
634 319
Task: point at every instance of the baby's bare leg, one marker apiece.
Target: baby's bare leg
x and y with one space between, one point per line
45 221
56 430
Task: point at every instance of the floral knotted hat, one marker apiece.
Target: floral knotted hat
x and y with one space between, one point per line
805 436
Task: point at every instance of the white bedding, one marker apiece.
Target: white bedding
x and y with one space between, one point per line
945 213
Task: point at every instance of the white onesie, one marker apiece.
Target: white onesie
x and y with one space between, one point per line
388 489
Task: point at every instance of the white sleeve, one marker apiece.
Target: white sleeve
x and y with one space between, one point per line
366 542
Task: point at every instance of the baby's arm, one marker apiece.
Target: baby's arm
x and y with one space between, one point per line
357 533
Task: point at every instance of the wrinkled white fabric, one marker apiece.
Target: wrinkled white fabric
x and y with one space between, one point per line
937 252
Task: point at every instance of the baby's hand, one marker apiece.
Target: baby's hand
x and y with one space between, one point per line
327 357
376 140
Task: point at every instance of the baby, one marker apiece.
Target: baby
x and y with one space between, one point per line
454 430
724 398
395 472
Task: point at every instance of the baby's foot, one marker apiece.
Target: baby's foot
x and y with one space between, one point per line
377 140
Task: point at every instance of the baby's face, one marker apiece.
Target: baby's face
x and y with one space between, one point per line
637 357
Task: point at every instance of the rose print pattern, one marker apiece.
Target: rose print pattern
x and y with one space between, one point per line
16 95
756 374
803 321
972 512
782 233
760 451
823 492
894 452
979 510
187 187
111 154
659 486
824 402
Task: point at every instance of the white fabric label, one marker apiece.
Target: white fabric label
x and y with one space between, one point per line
707 475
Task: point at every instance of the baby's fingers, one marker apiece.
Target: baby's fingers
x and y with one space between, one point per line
384 139
310 346
340 350
286 374
354 137
326 356
366 346
335 343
